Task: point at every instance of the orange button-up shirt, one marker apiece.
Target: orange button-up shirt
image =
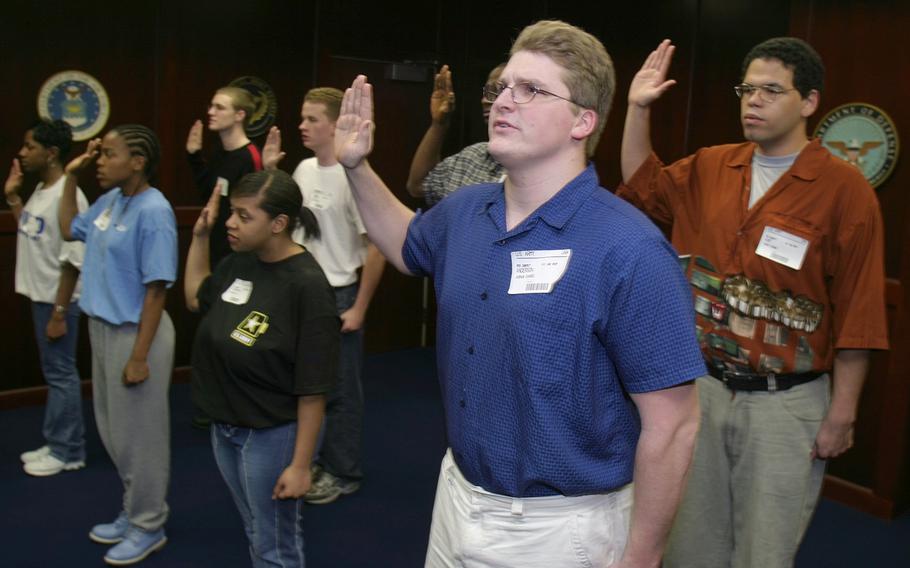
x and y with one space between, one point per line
753 313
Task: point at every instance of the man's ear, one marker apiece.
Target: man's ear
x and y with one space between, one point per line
585 124
810 104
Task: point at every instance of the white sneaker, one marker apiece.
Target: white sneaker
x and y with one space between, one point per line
49 465
35 455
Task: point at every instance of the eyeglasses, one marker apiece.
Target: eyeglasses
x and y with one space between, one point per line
767 93
521 93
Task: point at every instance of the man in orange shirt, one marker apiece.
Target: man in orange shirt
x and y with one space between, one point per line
783 246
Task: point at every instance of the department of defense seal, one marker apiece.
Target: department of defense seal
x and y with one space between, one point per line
78 99
266 104
862 135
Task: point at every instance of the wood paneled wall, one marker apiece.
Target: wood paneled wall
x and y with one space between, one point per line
161 61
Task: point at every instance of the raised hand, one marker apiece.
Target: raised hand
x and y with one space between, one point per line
194 138
79 163
209 214
354 128
271 152
442 101
14 181
651 80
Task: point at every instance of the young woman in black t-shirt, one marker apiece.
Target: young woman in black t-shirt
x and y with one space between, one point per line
264 356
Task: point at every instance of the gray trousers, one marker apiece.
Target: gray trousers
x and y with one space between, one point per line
133 421
753 486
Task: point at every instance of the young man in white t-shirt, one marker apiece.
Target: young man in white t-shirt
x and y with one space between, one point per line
341 251
47 272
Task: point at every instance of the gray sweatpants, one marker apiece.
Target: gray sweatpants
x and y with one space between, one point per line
134 421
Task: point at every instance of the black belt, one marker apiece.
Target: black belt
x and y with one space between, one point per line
770 382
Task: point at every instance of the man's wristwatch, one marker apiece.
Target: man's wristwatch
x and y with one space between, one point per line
59 309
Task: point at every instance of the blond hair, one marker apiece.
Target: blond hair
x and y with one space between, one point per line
588 69
329 96
241 99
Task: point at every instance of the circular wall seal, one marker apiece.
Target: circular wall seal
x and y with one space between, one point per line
266 104
78 99
862 135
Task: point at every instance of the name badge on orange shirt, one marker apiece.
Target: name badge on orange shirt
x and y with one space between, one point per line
782 247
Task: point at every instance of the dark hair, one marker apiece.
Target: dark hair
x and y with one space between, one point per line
53 133
797 56
141 142
279 195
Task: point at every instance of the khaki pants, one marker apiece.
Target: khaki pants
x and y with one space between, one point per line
753 486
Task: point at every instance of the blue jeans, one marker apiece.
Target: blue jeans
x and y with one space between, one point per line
343 433
251 461
63 425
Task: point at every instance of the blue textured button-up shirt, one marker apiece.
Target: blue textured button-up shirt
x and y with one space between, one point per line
535 386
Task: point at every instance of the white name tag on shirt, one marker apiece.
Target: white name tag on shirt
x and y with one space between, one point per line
103 221
223 186
319 199
537 271
238 293
782 247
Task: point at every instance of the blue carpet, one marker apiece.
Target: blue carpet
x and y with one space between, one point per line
46 520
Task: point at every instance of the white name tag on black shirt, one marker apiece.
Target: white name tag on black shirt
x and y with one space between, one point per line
537 271
238 292
782 247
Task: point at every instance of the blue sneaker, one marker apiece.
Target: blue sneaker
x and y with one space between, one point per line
110 533
135 546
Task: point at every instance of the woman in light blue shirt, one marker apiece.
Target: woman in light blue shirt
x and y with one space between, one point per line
130 236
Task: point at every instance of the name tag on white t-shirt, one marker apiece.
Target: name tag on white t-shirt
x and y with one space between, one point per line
537 271
782 247
238 292
103 221
319 199
223 186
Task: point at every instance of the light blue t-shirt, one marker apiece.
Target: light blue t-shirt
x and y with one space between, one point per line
130 241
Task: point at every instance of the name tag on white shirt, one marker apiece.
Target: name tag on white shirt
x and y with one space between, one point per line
103 221
537 271
782 247
238 293
223 186
319 199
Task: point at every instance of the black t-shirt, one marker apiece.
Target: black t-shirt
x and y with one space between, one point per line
231 166
269 333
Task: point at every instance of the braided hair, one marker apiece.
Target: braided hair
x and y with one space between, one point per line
141 142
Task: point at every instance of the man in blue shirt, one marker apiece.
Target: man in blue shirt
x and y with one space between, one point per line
565 338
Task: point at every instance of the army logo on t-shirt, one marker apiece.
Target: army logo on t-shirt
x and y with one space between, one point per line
862 135
251 328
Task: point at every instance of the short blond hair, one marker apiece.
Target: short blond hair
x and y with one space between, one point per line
588 69
329 96
241 99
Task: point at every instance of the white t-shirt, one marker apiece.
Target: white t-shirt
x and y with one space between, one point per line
341 249
40 248
766 170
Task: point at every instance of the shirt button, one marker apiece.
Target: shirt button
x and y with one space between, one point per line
483 295
471 350
461 403
739 233
502 242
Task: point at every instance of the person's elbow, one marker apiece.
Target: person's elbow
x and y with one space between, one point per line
414 187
